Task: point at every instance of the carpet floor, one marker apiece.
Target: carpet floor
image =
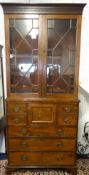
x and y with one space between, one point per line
82 169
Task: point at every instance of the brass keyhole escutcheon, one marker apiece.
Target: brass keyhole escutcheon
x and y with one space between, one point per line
40 114
24 157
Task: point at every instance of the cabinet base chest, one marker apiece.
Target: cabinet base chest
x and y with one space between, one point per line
42 134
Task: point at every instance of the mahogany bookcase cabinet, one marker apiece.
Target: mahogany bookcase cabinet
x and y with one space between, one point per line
42 61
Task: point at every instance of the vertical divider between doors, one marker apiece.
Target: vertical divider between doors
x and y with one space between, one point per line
42 54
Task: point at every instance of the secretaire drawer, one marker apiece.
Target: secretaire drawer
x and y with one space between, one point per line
22 131
33 144
16 119
42 158
15 107
67 108
41 113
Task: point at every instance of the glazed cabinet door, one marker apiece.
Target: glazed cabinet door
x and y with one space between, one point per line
62 55
23 54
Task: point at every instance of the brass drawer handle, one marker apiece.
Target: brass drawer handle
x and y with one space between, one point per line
60 144
68 109
60 131
16 109
24 131
66 120
16 120
24 157
59 158
24 144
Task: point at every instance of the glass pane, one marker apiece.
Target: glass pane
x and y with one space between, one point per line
61 56
24 55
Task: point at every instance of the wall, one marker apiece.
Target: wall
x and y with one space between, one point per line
83 124
2 42
83 72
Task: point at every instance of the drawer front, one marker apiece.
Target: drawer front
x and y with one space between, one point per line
41 114
18 119
22 131
15 107
42 144
42 158
67 108
64 120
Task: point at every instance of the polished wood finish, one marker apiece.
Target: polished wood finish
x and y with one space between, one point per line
16 108
44 158
42 67
67 108
16 119
43 8
41 113
70 120
42 144
22 131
